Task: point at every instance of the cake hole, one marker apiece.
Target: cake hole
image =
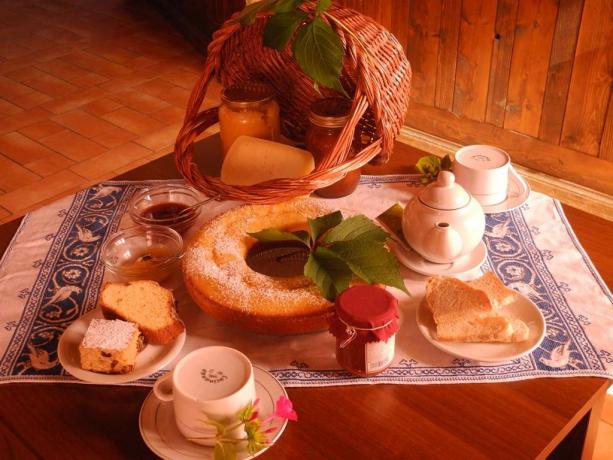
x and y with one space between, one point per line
282 259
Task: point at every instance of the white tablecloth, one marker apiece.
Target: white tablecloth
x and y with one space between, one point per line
51 274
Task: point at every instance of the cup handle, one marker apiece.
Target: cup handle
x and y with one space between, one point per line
519 179
162 388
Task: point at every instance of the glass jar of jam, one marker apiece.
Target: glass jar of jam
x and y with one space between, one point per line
248 108
328 117
365 325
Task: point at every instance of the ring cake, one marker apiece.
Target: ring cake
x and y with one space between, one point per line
219 280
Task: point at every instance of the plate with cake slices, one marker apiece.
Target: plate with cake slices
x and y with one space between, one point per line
134 333
481 320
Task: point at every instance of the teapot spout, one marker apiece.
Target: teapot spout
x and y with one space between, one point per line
442 244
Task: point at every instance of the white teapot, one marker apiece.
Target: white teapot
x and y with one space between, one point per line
443 222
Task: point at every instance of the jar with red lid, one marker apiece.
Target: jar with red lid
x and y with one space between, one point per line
327 119
365 325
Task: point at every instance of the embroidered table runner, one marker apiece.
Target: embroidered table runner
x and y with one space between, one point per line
51 274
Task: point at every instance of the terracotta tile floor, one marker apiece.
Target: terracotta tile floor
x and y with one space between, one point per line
88 89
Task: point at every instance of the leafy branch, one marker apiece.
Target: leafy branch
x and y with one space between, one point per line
341 250
430 165
318 50
255 429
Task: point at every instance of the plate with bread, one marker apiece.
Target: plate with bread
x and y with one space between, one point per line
134 333
481 320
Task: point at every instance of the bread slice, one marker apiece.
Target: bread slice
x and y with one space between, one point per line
145 303
465 314
497 292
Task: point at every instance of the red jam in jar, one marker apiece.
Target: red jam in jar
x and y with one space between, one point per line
328 118
365 325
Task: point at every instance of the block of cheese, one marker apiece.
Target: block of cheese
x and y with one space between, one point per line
251 160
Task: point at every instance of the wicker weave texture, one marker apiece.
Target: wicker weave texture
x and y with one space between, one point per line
375 71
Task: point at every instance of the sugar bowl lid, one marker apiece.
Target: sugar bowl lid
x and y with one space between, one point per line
445 193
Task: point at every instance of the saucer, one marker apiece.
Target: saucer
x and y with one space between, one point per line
150 360
518 192
160 433
521 308
418 264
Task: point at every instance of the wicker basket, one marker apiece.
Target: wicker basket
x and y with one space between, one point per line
375 71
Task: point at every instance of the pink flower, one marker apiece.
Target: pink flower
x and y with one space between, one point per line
285 409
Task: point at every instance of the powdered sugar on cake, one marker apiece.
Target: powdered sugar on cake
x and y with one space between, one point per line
217 259
109 334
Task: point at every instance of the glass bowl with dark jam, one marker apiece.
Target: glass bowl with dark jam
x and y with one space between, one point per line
165 205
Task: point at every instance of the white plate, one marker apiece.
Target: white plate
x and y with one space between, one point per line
418 264
522 308
150 360
160 433
518 192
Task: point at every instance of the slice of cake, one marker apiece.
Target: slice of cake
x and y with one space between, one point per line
145 303
110 346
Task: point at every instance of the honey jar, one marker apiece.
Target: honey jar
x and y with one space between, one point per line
365 325
248 108
327 119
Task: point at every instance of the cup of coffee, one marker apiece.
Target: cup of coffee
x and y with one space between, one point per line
483 171
213 383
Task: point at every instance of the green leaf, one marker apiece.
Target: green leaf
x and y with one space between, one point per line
249 13
331 275
319 53
322 5
429 165
224 451
273 234
370 261
280 28
285 6
446 163
322 224
356 227
391 219
303 235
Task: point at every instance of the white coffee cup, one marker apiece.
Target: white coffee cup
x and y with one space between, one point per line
483 171
209 383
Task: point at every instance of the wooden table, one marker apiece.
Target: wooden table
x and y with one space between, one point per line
528 419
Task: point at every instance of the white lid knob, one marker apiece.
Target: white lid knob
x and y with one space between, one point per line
445 193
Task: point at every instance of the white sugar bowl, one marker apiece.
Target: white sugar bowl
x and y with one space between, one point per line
443 222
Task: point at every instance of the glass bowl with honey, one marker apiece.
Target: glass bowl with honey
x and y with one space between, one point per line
167 205
146 252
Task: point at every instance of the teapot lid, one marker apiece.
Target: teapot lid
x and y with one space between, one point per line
445 193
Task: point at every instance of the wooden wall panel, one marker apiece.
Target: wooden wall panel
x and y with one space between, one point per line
590 84
560 67
400 22
521 74
502 52
424 25
606 144
531 50
477 22
447 53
